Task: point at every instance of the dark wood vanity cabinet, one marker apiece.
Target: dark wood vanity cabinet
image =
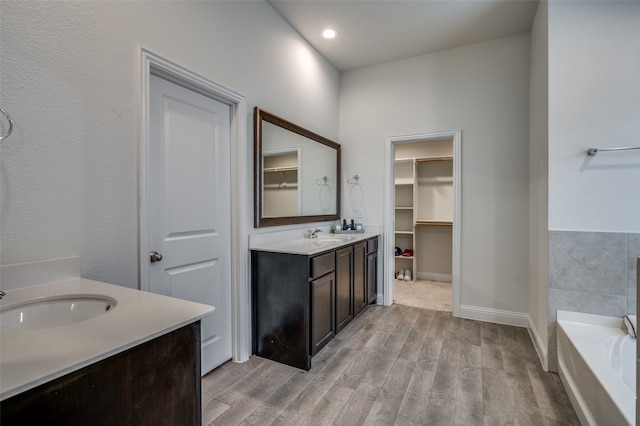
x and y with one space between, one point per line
323 290
360 293
372 269
300 302
154 383
281 305
356 280
322 312
344 290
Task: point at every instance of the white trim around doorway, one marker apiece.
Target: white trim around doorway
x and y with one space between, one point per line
151 63
388 227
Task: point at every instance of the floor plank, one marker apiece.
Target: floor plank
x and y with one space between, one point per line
392 393
272 407
413 407
397 365
246 396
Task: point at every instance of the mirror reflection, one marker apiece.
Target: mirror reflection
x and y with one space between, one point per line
280 196
297 173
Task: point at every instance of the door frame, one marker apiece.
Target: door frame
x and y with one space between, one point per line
152 64
389 212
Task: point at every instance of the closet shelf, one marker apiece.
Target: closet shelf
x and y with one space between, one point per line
280 169
292 185
425 182
433 223
428 159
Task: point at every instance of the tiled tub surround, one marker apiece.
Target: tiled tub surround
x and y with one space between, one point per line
593 273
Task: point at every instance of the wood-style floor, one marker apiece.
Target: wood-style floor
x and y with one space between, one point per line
397 365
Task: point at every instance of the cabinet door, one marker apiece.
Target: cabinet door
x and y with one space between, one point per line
372 276
344 287
280 302
360 295
322 312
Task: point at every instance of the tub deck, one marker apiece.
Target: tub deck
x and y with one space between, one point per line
596 363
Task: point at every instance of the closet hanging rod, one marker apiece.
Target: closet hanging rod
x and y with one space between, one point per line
10 124
594 151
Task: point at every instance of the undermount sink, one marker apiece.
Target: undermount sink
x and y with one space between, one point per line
54 312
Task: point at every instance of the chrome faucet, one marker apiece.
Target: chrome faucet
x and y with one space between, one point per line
314 233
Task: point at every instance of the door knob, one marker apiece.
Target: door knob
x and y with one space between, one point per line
154 256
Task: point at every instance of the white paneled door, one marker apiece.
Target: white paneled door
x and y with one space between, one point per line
189 207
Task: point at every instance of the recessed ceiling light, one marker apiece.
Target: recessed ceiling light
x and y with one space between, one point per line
329 33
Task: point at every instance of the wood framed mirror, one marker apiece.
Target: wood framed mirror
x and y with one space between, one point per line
296 173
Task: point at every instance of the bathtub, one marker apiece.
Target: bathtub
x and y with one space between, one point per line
597 366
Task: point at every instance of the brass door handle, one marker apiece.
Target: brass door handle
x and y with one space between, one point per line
154 256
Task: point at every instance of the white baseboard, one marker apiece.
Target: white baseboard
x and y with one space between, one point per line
497 316
539 345
431 276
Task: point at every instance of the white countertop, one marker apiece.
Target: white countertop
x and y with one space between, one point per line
310 246
30 358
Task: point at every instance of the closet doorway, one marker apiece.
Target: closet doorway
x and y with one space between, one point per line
422 221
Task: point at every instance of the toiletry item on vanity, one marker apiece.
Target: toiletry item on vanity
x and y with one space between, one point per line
348 225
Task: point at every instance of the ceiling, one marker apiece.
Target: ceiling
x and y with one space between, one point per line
373 32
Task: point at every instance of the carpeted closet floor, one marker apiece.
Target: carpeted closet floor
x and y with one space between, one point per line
433 295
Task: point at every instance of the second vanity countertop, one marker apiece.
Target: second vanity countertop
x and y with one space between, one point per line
29 358
310 246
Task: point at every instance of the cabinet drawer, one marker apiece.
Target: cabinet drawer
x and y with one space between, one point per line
372 245
322 264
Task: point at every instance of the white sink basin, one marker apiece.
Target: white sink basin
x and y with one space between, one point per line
54 312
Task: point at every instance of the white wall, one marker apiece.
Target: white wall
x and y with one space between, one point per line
70 78
538 181
594 101
481 89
